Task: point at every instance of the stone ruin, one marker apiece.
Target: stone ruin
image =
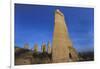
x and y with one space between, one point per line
61 49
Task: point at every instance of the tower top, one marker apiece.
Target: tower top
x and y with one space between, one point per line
59 12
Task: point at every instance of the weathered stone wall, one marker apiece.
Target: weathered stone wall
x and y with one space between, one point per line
27 57
61 41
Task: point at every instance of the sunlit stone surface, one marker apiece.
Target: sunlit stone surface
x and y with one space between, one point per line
62 50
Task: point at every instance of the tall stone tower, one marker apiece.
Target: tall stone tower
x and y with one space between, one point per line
43 48
49 48
62 50
35 49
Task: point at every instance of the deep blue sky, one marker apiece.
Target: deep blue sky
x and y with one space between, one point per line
35 24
